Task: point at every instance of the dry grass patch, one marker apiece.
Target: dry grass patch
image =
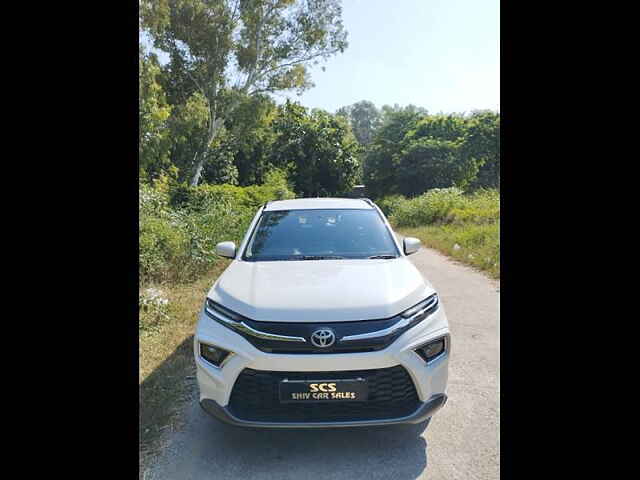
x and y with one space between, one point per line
167 369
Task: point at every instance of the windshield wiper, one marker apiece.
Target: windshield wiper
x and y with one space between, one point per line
382 256
319 257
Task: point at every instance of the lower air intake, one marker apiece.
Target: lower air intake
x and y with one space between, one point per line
255 397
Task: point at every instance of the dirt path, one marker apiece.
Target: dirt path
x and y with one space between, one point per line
461 442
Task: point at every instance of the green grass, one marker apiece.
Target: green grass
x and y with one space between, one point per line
465 227
479 244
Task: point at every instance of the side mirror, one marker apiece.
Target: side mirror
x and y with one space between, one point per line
411 245
226 249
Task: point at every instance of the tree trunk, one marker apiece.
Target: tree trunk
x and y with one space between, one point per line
200 157
198 170
214 129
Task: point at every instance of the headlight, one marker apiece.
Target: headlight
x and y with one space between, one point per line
238 324
423 309
211 307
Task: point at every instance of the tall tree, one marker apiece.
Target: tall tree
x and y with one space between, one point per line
413 152
317 148
251 136
382 158
364 119
433 155
232 48
483 143
387 112
188 124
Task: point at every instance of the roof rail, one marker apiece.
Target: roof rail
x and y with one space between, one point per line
368 200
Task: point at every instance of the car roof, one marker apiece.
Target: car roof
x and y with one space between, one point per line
318 203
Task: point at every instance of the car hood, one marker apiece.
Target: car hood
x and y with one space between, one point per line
320 290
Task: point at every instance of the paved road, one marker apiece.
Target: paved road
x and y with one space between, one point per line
461 442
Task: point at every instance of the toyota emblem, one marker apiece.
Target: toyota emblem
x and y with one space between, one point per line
323 338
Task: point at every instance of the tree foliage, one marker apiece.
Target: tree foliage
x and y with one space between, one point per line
154 111
483 143
251 136
187 125
433 156
228 49
207 114
317 148
364 119
382 159
413 152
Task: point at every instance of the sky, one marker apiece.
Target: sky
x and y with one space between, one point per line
443 55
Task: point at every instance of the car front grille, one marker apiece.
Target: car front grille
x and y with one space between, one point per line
354 336
305 330
255 397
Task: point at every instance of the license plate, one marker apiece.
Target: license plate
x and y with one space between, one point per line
312 391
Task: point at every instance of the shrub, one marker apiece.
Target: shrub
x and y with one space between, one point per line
161 242
201 197
467 227
277 186
163 246
390 203
153 308
480 208
178 245
448 205
180 225
430 207
152 201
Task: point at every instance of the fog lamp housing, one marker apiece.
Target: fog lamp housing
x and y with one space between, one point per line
214 355
434 349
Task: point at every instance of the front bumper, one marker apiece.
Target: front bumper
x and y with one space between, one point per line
216 384
425 411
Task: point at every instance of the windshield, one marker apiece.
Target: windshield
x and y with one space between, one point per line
320 235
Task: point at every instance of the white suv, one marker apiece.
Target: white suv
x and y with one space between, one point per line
321 320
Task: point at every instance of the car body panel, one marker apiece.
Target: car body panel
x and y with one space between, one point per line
318 204
320 290
216 383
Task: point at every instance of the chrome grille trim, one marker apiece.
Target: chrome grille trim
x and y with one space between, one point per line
398 326
243 327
